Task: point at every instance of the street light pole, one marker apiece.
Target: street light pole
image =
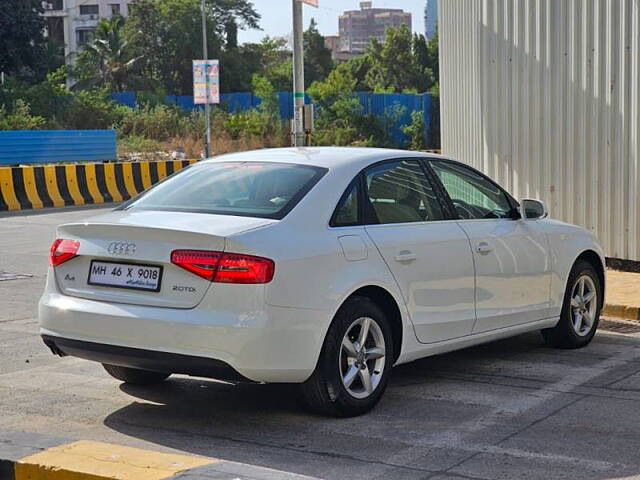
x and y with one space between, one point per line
298 76
207 106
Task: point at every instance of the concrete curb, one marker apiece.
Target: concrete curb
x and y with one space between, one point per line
34 187
624 312
26 456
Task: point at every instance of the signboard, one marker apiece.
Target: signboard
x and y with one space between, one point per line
313 3
206 81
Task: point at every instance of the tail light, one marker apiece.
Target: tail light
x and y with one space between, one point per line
62 250
223 267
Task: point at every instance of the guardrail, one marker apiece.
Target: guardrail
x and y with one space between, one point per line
30 187
20 147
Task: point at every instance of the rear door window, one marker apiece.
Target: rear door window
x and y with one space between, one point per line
248 189
400 192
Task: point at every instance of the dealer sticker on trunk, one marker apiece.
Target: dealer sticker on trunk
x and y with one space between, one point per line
125 275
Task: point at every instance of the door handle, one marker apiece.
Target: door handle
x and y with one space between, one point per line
484 247
405 256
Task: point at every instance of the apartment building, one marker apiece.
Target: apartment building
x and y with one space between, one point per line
72 22
358 27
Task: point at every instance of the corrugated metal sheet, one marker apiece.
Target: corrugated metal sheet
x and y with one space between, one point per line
543 95
47 146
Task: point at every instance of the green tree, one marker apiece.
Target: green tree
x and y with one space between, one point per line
168 34
22 42
108 60
403 63
317 58
424 68
393 66
20 117
269 58
270 104
338 109
358 67
416 131
433 56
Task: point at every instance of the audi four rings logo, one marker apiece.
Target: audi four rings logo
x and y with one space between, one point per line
121 248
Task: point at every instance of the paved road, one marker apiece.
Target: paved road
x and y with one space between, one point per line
511 409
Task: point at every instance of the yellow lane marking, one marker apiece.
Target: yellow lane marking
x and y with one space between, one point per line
52 185
101 461
72 184
29 180
127 173
110 180
6 187
92 182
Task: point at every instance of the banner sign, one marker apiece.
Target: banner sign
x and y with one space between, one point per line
313 3
206 81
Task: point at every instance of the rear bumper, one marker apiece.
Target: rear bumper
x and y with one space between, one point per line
144 359
260 342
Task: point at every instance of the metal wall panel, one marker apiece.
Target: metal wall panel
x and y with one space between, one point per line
543 95
47 146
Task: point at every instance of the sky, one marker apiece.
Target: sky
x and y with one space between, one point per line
276 16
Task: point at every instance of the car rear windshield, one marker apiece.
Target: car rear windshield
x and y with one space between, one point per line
247 189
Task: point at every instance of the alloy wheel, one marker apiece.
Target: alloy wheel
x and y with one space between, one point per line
584 305
362 357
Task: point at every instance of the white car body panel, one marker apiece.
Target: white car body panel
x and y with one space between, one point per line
274 332
438 289
516 259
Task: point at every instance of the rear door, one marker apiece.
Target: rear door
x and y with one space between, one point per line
428 255
512 262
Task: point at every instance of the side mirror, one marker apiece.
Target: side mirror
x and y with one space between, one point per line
533 209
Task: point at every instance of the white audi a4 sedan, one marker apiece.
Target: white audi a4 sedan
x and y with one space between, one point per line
319 266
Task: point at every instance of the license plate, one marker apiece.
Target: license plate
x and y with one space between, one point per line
125 275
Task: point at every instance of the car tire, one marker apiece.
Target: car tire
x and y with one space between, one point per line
579 318
135 376
350 378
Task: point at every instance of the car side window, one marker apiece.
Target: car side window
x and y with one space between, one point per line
400 192
473 196
347 210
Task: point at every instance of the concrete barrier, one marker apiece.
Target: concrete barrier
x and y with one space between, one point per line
30 187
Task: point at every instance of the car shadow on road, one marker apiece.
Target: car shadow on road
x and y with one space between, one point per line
438 413
269 425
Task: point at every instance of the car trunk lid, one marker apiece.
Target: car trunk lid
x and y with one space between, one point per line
137 244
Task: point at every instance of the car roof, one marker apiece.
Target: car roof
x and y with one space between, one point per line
328 157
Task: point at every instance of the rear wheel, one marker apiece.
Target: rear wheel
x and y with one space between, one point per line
135 376
580 311
355 362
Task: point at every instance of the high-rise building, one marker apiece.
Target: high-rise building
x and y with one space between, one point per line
71 22
430 18
358 27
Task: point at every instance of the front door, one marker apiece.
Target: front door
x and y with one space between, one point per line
429 256
511 255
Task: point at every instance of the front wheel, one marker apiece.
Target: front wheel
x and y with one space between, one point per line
135 376
355 362
580 311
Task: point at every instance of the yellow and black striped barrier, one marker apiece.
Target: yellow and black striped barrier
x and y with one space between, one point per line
29 187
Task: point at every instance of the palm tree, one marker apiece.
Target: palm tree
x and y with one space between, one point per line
107 60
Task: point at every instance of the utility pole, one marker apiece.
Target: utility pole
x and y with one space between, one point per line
207 106
298 76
